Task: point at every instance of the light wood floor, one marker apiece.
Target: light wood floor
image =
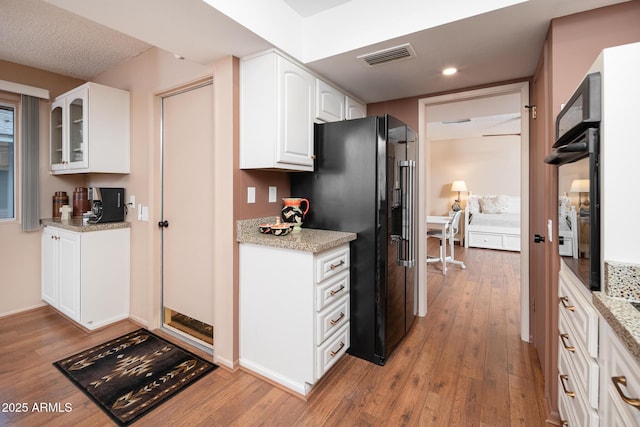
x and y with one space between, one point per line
461 365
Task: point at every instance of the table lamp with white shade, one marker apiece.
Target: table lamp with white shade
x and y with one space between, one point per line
458 186
581 186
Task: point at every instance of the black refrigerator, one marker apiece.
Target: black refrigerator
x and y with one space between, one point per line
364 181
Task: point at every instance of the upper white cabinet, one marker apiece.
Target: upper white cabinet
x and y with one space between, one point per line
279 103
277 109
354 109
90 131
330 102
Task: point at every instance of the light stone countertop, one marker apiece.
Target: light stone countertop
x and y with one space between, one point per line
623 318
75 224
308 239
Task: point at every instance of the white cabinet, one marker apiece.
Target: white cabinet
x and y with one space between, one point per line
90 131
85 275
330 102
354 109
332 105
61 271
277 110
578 368
620 381
294 313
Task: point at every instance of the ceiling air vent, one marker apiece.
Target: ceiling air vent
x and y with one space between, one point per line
391 54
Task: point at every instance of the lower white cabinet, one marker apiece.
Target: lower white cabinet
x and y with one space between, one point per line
578 368
620 381
294 313
85 275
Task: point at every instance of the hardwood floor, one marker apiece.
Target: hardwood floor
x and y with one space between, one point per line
461 365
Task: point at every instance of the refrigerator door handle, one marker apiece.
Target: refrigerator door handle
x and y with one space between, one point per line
407 248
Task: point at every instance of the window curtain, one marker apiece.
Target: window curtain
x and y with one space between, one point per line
30 167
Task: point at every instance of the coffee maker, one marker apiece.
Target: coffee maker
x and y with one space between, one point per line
107 204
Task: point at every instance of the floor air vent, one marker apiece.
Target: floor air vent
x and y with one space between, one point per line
391 54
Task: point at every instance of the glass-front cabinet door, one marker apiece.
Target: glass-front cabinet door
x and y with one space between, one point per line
69 132
57 155
77 104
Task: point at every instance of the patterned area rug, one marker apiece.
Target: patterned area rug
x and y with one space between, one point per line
130 375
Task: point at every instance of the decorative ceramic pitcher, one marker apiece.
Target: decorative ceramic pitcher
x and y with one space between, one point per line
292 212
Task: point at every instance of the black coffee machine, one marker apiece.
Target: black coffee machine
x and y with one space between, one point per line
107 204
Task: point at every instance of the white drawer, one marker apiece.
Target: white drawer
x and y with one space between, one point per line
486 240
332 262
581 315
575 404
621 363
332 350
511 243
332 319
586 368
331 290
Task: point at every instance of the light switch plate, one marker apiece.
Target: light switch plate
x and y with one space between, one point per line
273 194
251 194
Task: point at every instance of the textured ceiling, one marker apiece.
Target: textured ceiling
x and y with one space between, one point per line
490 47
43 36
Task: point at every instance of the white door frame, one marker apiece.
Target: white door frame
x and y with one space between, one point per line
523 89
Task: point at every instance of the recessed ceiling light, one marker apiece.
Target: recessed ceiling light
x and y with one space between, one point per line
449 71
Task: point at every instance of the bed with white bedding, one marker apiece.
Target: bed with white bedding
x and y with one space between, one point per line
492 222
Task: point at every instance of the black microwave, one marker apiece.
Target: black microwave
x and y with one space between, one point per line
577 156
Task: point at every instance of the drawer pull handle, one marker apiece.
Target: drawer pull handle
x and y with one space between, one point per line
333 353
565 304
334 321
334 292
334 266
563 378
565 337
623 380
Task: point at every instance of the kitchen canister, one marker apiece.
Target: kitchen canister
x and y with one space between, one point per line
80 201
60 198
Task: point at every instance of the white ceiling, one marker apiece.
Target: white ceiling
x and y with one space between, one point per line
86 37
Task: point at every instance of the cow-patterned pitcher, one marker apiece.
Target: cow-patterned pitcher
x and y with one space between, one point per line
292 212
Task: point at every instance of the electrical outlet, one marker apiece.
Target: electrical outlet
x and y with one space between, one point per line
273 194
251 194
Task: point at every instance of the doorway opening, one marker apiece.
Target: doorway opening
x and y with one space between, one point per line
186 242
455 100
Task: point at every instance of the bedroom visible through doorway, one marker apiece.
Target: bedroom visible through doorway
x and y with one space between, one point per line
481 137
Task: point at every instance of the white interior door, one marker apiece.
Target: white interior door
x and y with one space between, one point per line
187 203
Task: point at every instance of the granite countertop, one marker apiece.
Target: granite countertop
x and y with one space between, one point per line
621 288
76 224
308 239
623 318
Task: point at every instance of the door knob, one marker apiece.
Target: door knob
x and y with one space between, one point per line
164 224
538 238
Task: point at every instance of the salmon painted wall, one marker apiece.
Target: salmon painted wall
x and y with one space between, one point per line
20 251
574 43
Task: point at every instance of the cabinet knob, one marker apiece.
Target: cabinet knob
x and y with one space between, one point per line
163 224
